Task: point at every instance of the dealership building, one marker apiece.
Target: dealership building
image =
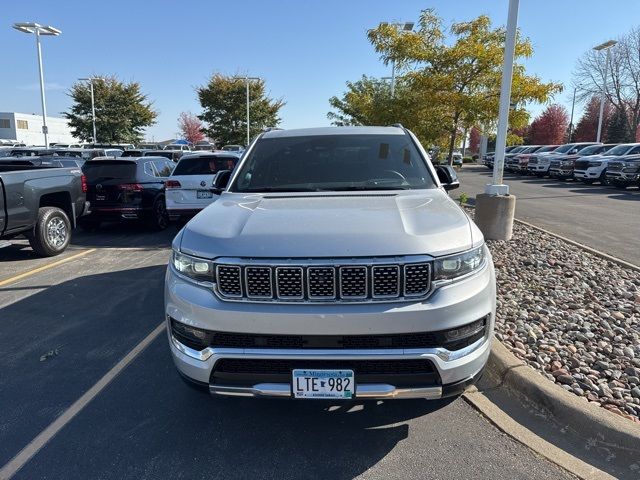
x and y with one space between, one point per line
27 129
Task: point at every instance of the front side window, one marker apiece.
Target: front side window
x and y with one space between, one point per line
340 162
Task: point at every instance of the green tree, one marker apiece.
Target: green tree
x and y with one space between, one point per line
618 127
122 111
224 103
451 84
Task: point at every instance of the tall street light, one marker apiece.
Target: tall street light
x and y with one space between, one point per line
31 27
93 105
495 208
404 27
247 79
604 46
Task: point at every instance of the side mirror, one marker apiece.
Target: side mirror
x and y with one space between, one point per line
448 177
221 181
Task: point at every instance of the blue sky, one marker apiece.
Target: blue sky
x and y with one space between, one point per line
305 50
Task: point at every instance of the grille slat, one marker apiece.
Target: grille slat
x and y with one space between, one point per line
258 282
346 283
289 282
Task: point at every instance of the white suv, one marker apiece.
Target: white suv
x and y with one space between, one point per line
189 188
334 265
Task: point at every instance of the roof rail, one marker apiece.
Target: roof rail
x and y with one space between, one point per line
398 125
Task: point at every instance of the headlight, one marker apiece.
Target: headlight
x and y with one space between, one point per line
595 164
454 266
195 268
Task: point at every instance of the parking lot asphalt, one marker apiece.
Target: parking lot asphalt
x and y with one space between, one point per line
604 218
63 328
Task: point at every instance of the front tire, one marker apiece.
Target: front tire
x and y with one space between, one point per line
52 232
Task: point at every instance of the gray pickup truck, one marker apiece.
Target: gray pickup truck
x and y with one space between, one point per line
41 203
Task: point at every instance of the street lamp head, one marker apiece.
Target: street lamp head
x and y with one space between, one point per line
605 45
32 27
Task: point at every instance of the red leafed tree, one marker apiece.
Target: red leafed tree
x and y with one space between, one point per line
587 128
191 127
474 140
550 127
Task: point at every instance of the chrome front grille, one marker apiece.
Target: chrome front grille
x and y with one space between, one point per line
348 282
582 164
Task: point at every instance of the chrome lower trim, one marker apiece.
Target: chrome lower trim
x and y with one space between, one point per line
365 391
442 353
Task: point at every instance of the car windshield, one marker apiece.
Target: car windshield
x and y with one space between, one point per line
519 149
333 163
619 150
204 165
548 148
591 150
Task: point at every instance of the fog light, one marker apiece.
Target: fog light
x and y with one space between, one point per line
192 337
464 331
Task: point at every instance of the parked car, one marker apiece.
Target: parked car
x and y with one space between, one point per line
624 172
173 155
41 203
66 145
88 153
127 189
334 265
190 186
233 148
539 164
138 152
562 166
490 157
29 152
178 146
594 169
523 159
512 161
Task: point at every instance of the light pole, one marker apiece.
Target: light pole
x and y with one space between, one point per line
247 79
495 208
93 105
604 46
31 27
405 27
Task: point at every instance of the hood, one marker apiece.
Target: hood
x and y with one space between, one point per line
301 225
605 158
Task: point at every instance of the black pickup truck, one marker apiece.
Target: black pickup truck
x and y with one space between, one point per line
42 203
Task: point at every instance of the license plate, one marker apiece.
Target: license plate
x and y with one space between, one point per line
323 384
204 194
101 197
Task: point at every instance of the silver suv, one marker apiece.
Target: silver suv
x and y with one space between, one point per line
333 265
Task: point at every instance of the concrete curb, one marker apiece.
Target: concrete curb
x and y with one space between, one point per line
588 421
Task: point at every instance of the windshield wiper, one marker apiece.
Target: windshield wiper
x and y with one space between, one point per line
279 189
358 188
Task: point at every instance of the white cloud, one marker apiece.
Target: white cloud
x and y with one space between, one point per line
36 86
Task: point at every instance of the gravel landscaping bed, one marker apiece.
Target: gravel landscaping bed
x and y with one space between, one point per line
572 316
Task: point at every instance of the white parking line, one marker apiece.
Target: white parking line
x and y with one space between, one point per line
48 433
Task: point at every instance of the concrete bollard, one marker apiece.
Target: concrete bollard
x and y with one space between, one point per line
494 215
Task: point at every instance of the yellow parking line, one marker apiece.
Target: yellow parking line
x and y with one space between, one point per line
45 267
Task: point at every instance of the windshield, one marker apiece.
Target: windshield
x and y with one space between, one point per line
548 148
334 163
619 150
593 149
519 149
204 165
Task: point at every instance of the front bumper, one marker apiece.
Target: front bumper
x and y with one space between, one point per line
450 306
588 174
560 173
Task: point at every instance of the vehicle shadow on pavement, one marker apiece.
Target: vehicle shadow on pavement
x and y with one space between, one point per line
124 235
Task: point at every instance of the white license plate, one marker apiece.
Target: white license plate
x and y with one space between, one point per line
323 384
204 194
